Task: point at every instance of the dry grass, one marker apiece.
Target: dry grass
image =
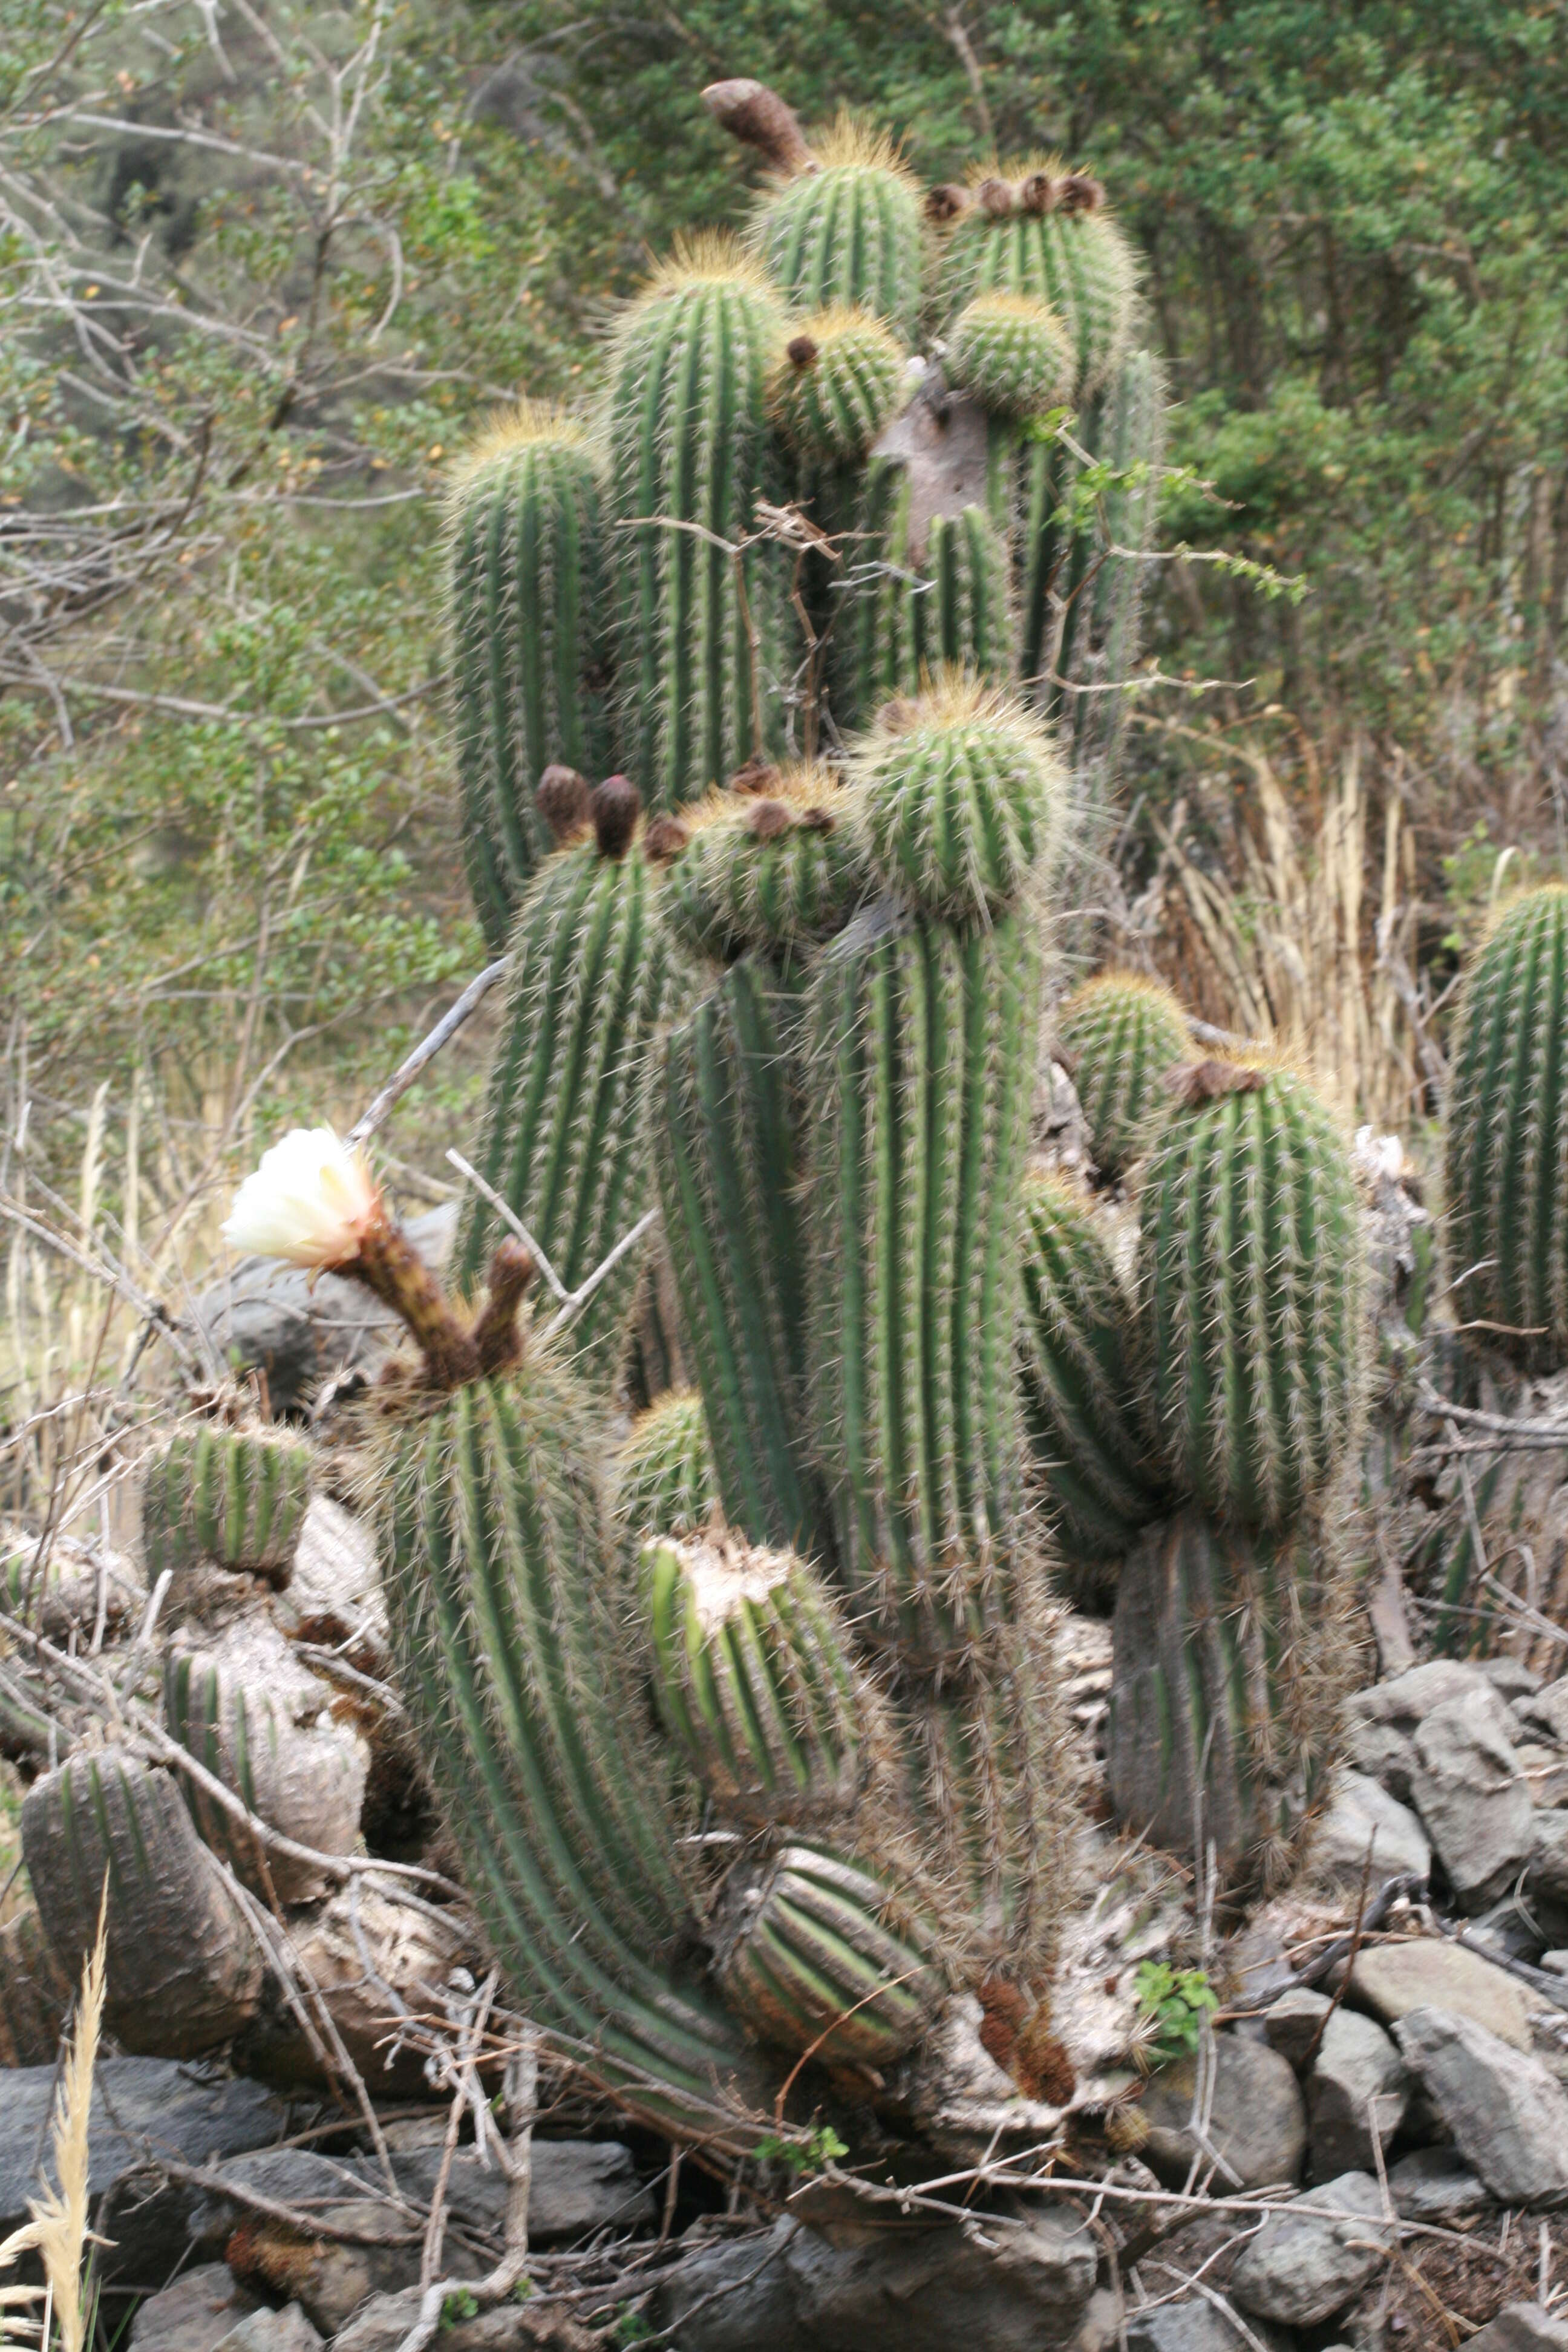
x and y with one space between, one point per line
58 2230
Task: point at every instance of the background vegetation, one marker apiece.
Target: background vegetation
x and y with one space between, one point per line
264 263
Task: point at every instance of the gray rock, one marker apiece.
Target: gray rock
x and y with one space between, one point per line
1291 2025
1546 1711
1549 1857
1194 2326
384 2321
1361 1812
1510 1678
268 1318
1522 2327
133 2100
1471 1795
924 2290
1434 2184
1100 2329
288 2330
1383 1752
1506 2114
579 2186
1357 2091
1391 1979
1407 1699
288 2176
1304 2265
1545 1771
193 2315
1258 2122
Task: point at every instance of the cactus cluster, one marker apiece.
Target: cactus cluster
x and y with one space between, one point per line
746 1727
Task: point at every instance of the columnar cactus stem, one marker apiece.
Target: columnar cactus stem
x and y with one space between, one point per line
849 231
1120 1037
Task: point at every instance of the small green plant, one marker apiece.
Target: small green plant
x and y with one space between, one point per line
1178 2000
456 2308
818 2149
633 2327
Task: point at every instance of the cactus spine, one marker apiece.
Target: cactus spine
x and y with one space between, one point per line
663 1481
591 980
525 572
755 1679
237 1498
944 600
1506 1136
700 629
1250 1255
1122 1036
825 1958
1078 1373
848 232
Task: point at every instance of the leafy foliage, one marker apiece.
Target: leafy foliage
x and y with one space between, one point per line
1175 2001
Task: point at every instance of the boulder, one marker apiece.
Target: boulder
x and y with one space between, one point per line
193 2315
288 2330
1508 2115
334 1596
1292 2025
1194 2326
578 2186
136 2101
1391 1979
386 2319
1258 2122
1434 2184
1471 1795
1023 2288
1407 1699
1383 1752
1357 2089
1546 1711
1522 2327
1309 2262
1360 1813
1549 1857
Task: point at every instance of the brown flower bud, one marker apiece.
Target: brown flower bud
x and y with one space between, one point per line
945 203
801 352
768 819
614 805
752 112
996 198
1037 193
663 839
758 775
562 799
1081 192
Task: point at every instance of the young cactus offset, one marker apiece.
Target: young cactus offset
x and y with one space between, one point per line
591 981
848 231
755 1677
1041 230
662 1482
841 380
1013 353
1506 1133
1120 1037
1078 1373
526 594
700 627
235 1497
1250 1262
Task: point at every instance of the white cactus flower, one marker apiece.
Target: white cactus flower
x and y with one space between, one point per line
312 1202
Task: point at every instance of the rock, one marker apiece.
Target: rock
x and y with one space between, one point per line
1407 1699
1549 1857
288 2330
1383 1752
1471 1796
134 2099
1522 2327
35 1991
1291 2025
1257 2123
1101 2328
1361 1812
386 2319
298 2177
1357 2089
331 2277
1546 1710
334 1596
1193 2326
194 2314
1544 1771
1302 2266
1434 2184
1021 2289
1506 2114
1557 1961
1391 1979
579 2186
296 1330
1510 1678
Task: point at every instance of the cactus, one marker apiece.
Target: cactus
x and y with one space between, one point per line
506 1607
233 1497
755 1679
525 572
1231 1657
1120 1037
1101 598
1013 353
726 1137
962 801
849 231
184 1971
841 381
942 598
591 981
700 629
1250 1264
662 1482
1506 1133
921 1068
775 872
1080 1383
824 1958
1041 230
